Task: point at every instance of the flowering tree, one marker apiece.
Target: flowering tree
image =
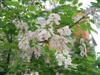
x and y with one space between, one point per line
34 41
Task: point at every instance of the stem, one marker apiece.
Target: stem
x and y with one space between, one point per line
78 21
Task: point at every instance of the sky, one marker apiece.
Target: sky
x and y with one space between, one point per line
86 3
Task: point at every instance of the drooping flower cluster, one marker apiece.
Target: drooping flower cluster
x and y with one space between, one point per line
83 48
41 21
65 31
21 25
32 42
53 18
58 42
63 58
42 35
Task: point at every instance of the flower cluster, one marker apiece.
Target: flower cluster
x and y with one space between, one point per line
63 58
83 48
65 31
21 25
32 42
53 18
58 42
41 21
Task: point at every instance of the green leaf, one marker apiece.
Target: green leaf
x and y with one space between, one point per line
12 3
62 1
84 27
10 28
75 1
31 8
80 4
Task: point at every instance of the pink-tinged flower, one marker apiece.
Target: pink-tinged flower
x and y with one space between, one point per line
53 18
37 51
67 62
21 25
24 44
85 35
65 31
42 35
58 42
59 58
41 21
24 41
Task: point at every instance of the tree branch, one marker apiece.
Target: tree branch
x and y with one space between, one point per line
78 21
87 12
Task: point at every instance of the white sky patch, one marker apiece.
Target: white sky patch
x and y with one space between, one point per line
96 37
86 3
48 6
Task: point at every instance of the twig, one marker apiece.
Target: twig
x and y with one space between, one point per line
87 12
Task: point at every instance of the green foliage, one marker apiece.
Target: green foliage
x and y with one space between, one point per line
62 1
96 4
11 62
66 12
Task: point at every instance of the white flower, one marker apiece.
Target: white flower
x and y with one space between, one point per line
61 32
42 35
32 73
30 35
20 36
24 39
83 48
57 73
63 59
36 73
66 52
83 51
65 31
41 21
21 25
58 42
59 58
24 43
67 62
37 51
53 18
51 30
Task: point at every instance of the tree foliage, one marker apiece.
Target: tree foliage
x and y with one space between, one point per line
18 17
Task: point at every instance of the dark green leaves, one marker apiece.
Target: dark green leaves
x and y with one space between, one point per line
10 28
12 3
62 1
66 12
75 1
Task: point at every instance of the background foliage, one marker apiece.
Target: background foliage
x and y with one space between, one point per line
28 10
